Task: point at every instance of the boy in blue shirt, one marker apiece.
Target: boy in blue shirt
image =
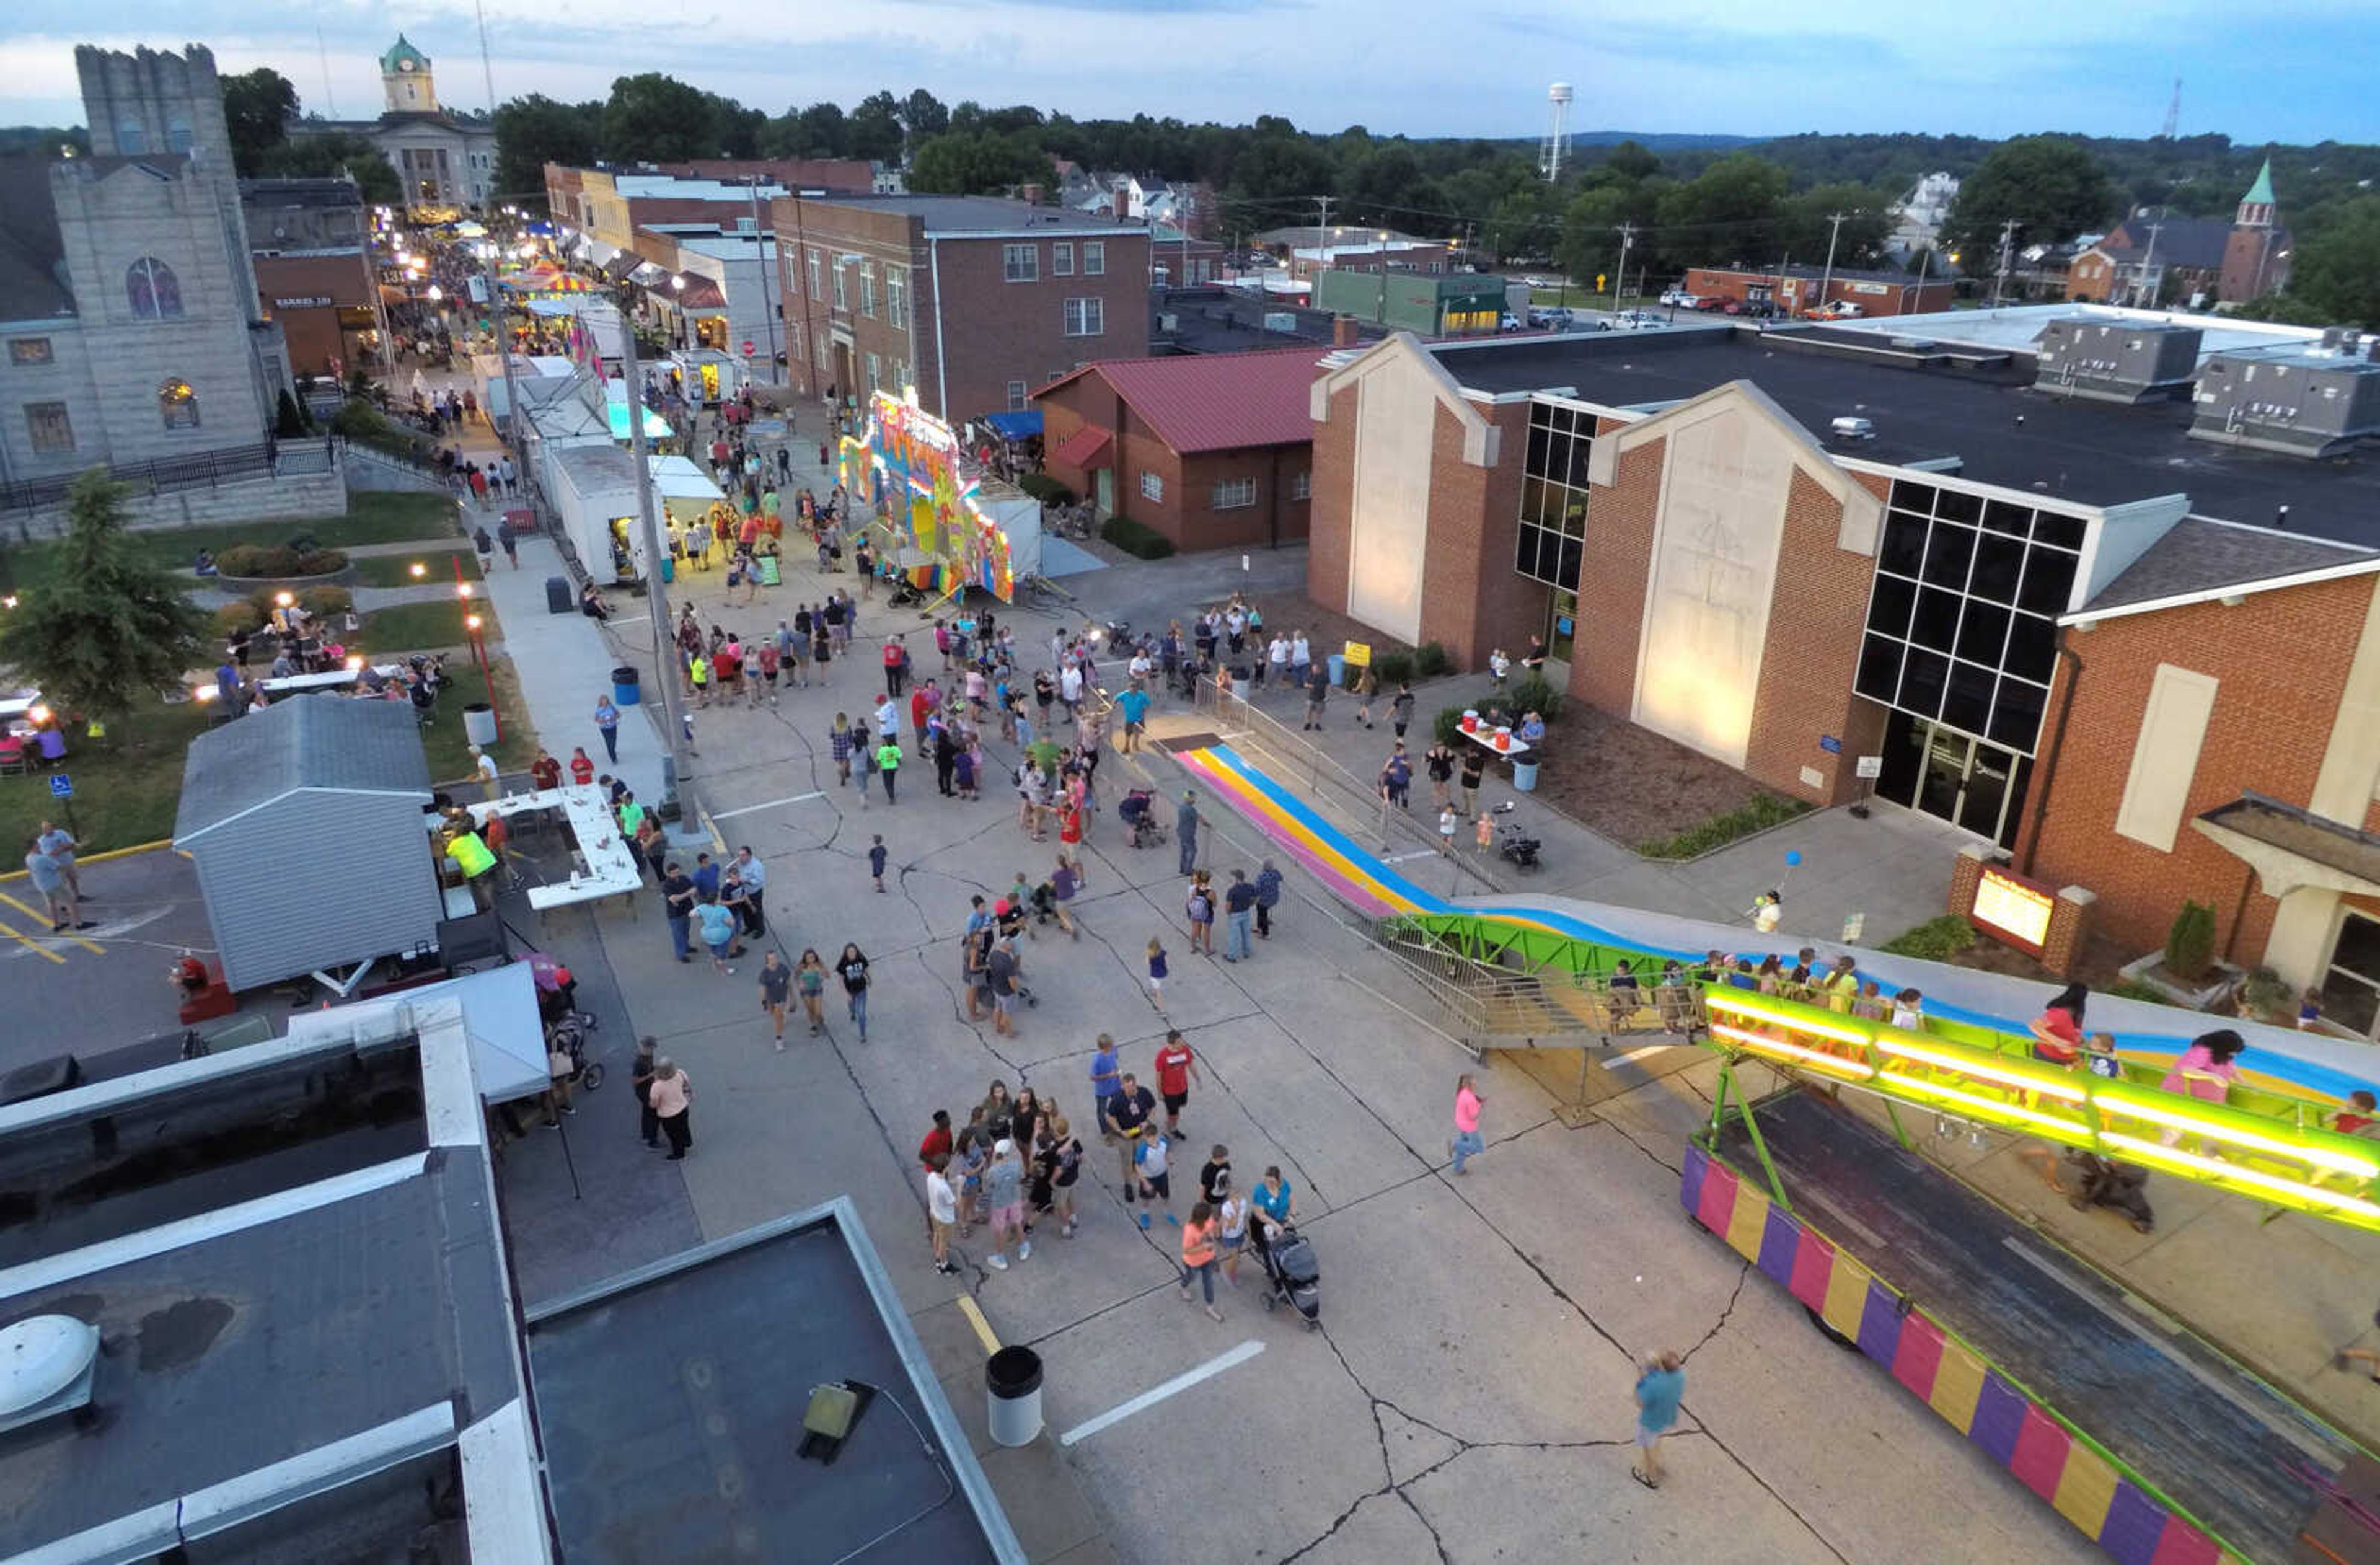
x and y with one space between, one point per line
1659 1389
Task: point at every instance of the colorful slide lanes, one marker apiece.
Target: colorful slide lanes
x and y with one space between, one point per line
2304 1065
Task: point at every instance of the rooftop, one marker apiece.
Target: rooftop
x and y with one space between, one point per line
1233 320
697 1372
961 215
300 192
1843 274
2015 328
1984 415
312 743
2199 557
2191 243
32 251
1215 401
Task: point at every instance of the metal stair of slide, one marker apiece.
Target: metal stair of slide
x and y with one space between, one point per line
1495 995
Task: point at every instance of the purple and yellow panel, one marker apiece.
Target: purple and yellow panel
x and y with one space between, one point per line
1957 1383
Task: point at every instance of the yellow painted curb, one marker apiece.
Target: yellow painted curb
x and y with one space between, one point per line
83 858
983 1331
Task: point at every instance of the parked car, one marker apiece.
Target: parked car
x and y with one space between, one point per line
1751 310
1840 309
1679 298
1550 318
1711 303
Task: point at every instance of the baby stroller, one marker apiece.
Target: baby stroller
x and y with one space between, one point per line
1291 1275
1139 816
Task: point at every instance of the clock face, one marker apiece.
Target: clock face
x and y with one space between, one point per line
405 65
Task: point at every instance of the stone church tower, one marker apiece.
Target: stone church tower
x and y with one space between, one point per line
406 81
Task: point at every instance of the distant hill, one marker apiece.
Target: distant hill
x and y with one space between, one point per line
1659 141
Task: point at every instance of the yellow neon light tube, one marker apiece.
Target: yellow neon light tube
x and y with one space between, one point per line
1839 1032
1817 1057
2327 1156
2050 1088
1993 1107
2150 1151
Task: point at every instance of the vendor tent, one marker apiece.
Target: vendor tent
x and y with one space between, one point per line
1015 424
304 821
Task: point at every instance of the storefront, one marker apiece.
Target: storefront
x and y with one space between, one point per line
706 376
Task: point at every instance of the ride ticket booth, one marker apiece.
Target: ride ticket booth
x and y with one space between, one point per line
707 375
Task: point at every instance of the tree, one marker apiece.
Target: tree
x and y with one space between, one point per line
1526 223
2336 272
1803 230
875 129
329 154
2049 186
1629 160
112 631
258 105
537 130
1725 214
655 118
922 115
973 163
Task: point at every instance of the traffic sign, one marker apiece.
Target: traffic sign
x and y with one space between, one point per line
61 786
748 347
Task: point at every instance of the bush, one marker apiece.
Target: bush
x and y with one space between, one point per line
1763 811
2134 988
1394 668
2190 944
1936 939
233 618
326 603
272 560
2264 996
1430 660
1045 489
1136 538
357 420
1536 694
1448 725
287 423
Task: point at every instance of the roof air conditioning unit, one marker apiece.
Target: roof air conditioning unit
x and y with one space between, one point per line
1169 321
1279 320
47 1365
1849 427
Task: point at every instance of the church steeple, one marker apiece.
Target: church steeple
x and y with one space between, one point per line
2257 206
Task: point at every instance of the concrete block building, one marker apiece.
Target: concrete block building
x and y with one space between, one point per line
2112 644
129 298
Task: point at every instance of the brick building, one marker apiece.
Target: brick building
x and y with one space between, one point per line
1214 450
313 273
1792 290
2150 259
2054 621
972 300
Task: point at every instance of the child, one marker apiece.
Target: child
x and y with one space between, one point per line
1446 823
876 861
1157 972
1234 1217
1869 1005
972 1158
2362 1119
2099 1055
1155 1183
1066 1165
1906 1015
1485 834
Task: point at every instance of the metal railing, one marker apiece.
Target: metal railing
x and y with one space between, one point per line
205 470
1487 993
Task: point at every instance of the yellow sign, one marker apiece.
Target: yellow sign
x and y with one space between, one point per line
1359 654
2016 911
1598 282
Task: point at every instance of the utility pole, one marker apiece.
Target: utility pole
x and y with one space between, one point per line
1627 232
1999 282
1834 232
656 597
1322 234
769 305
2148 266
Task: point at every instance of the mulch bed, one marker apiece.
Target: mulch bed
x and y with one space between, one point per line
1629 783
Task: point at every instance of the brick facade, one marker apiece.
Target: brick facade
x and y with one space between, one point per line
1330 515
1612 582
2281 659
1815 618
1475 601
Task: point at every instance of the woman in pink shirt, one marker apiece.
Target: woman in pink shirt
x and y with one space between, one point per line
2205 1069
671 1099
1466 1144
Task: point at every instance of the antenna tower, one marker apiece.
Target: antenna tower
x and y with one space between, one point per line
1557 142
2173 112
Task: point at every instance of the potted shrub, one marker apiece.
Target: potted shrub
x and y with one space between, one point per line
2186 971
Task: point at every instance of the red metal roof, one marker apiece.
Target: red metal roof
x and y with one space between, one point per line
1215 401
1086 448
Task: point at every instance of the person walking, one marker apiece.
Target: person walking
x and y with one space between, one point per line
852 967
718 929
607 723
1105 1082
1199 1255
1466 1144
1401 708
1000 974
482 543
1439 761
1185 830
1239 906
776 988
1268 898
672 1096
60 844
888 763
57 895
1157 973
640 1085
1660 1387
1004 1197
508 540
1177 1067
942 1209
810 981
755 878
1124 1118
876 857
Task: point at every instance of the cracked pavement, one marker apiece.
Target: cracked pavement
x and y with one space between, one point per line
1468 1395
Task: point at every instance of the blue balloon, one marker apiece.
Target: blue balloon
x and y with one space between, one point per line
1792 856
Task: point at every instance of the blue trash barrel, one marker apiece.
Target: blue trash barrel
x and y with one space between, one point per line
627 686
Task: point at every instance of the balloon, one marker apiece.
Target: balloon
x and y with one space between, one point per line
1792 856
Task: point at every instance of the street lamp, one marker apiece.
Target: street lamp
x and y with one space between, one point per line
419 570
436 293
479 655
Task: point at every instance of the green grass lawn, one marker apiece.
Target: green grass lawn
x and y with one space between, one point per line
371 518
126 785
447 744
396 570
420 627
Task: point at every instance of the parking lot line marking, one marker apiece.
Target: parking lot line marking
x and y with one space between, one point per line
1155 1394
747 809
36 947
86 945
983 1331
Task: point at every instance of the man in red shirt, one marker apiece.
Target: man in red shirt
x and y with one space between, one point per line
545 772
582 771
938 1140
1176 1069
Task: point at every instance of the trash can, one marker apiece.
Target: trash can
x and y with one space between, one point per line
558 598
627 686
479 724
1524 775
669 568
1338 661
1011 1382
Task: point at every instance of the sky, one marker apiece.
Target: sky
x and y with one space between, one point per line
1421 67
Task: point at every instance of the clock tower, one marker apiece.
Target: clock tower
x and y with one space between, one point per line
405 80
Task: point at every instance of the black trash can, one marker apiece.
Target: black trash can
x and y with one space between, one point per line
1012 1380
558 598
627 686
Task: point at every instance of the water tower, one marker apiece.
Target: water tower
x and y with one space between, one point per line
1557 143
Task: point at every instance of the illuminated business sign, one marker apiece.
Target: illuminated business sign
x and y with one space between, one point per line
2016 911
309 302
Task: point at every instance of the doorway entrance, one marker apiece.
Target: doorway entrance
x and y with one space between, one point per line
1561 625
1971 783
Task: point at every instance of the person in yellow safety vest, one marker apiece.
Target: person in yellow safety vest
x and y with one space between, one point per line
473 858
